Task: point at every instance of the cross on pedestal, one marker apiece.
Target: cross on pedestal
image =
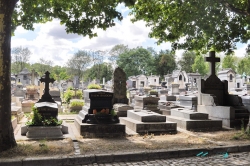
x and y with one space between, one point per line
212 59
46 97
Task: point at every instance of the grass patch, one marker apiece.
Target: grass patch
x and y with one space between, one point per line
242 135
40 148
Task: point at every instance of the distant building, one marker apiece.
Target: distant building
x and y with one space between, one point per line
143 81
230 76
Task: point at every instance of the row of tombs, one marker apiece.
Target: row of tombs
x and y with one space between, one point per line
101 117
110 114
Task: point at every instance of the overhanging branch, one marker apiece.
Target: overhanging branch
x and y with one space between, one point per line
235 9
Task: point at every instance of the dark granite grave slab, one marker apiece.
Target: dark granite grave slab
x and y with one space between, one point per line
100 131
47 109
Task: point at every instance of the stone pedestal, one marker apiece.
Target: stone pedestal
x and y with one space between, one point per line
38 132
189 102
146 121
175 89
27 105
121 109
193 121
17 112
99 131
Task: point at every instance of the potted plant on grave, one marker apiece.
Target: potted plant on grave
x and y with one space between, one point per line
153 92
76 105
146 90
94 86
31 89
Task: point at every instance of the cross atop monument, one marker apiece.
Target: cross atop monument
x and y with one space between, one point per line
212 59
46 97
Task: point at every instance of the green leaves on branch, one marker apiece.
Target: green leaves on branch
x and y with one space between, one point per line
79 16
196 24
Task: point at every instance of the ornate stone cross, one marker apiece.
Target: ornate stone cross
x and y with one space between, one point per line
212 59
46 97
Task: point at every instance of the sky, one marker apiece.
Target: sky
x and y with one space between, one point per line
51 42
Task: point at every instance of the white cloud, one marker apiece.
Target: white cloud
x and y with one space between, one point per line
51 42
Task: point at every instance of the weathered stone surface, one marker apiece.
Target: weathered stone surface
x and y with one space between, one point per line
37 132
146 116
100 131
194 121
121 109
120 89
149 127
47 109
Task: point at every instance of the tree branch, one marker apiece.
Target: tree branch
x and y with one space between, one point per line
235 9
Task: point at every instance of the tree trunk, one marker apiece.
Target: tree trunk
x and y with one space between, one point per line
7 139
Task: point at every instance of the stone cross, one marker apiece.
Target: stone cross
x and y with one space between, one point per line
212 59
46 97
47 80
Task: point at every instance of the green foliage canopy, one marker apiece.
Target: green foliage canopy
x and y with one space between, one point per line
187 61
200 65
136 61
203 24
79 16
229 61
165 62
99 71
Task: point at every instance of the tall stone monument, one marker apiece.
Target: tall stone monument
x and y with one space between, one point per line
119 87
215 100
120 100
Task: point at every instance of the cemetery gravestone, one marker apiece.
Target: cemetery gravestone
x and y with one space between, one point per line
96 118
46 106
48 109
175 89
19 92
120 90
214 99
146 121
100 109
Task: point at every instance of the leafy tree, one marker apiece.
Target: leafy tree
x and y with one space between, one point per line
200 65
165 62
100 71
136 61
116 51
229 61
243 66
202 24
78 16
58 72
187 61
78 63
20 56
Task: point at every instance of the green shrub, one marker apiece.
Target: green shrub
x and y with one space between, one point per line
94 86
68 95
38 120
78 94
76 103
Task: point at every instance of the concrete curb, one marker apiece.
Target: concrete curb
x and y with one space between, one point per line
120 157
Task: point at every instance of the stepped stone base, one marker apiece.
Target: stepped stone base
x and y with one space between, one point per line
196 125
193 121
99 130
41 132
231 116
149 127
